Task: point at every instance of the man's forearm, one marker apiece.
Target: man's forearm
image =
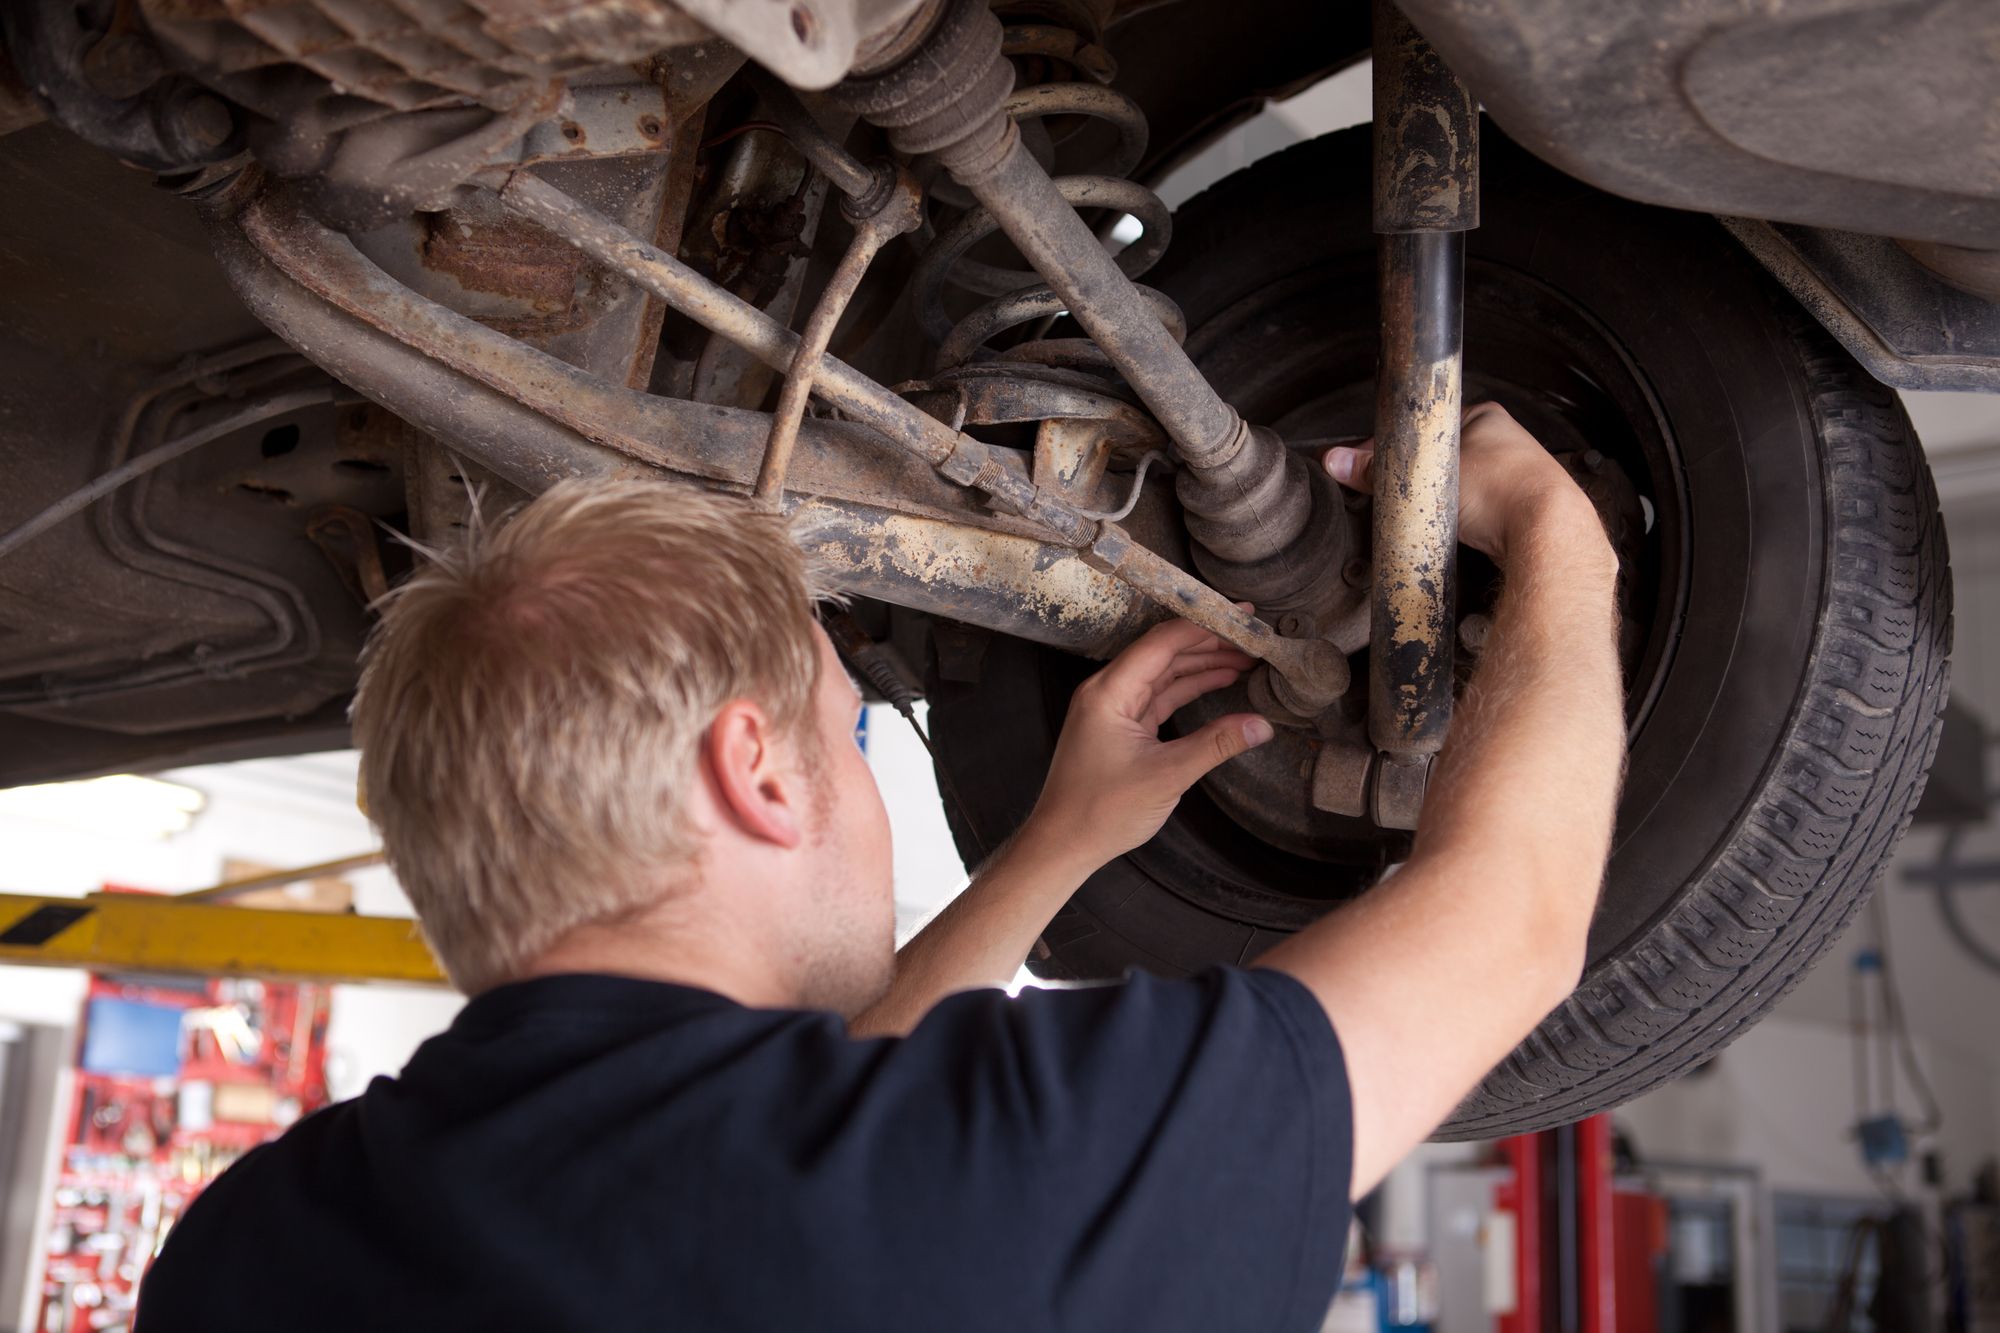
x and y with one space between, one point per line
982 937
1530 778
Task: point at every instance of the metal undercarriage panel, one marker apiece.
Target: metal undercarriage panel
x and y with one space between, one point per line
1873 116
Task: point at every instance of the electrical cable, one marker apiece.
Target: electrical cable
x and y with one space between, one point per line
1896 1024
1885 1044
83 497
1961 931
1955 923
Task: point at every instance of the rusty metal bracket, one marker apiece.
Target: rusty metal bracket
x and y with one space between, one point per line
598 120
1426 198
1315 670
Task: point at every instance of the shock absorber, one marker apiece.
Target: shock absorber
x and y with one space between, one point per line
1426 199
1266 525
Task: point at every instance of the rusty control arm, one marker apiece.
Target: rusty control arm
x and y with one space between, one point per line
1313 669
1426 199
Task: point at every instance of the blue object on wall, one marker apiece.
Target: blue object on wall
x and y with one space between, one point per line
1883 1142
132 1038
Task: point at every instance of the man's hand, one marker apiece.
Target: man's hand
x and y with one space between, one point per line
1506 480
1113 781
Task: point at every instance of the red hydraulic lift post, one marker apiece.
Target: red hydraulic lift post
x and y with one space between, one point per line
1597 1260
1565 1261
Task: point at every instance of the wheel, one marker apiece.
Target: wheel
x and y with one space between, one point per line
1786 591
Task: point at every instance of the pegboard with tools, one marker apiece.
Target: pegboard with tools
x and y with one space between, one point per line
175 1079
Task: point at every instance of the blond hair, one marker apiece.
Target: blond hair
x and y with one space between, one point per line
531 706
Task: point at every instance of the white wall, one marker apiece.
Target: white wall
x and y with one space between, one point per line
1782 1099
928 871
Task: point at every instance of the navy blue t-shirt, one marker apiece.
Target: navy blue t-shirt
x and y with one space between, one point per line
593 1152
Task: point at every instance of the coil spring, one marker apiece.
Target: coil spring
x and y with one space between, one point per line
1018 295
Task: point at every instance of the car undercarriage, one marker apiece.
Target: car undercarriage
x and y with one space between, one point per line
294 291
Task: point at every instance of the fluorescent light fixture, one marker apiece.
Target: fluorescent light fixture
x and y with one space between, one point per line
125 805
1126 230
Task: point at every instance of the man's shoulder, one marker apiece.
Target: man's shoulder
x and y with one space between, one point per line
274 1167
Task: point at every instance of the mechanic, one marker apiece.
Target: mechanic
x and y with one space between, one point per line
611 757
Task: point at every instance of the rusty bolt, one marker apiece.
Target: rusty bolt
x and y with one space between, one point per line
205 122
1293 625
572 131
1593 460
1472 632
1355 573
649 126
122 65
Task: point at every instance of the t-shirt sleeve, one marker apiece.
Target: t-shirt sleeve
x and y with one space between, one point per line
1156 1154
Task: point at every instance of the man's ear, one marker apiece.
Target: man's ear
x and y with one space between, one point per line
753 788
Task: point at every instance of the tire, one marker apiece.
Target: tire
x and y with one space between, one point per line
1788 702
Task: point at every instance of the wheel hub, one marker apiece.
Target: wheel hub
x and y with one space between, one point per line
1300 355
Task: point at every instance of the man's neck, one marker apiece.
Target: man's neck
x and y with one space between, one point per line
668 942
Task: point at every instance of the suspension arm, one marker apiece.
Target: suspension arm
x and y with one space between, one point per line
876 520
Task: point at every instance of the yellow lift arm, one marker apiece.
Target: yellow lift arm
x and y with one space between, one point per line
136 932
